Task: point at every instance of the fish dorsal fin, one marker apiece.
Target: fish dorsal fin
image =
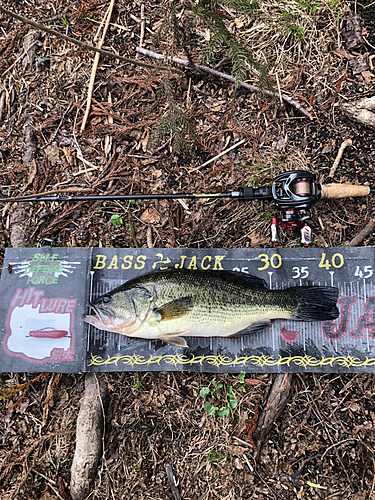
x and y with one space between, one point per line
174 309
249 279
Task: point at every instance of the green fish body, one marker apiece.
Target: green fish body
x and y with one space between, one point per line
172 304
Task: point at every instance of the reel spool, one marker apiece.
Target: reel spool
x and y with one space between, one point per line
295 190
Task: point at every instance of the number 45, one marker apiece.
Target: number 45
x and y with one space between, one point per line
366 273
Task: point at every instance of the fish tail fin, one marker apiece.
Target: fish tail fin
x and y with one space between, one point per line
316 303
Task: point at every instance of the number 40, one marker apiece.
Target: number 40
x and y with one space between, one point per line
337 261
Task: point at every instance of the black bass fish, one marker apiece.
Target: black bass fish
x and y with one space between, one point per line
169 305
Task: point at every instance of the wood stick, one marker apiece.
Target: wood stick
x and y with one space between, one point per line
172 483
218 156
143 25
95 65
89 436
369 227
276 402
344 145
205 69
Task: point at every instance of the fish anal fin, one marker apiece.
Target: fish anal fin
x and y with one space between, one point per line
257 327
174 309
174 340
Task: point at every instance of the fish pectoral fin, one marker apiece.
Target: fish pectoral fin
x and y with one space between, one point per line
174 309
257 327
178 341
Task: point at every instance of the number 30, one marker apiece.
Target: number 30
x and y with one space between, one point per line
275 261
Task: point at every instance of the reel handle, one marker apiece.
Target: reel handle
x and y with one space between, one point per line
337 191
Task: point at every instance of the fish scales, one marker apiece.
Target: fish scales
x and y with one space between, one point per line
171 304
217 299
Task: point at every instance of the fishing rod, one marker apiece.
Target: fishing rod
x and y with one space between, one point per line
294 193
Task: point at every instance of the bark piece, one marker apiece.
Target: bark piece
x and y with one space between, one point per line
90 427
359 64
30 140
362 111
352 32
18 225
29 45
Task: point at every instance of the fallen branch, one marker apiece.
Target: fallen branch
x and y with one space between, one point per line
369 227
85 46
89 436
219 74
275 404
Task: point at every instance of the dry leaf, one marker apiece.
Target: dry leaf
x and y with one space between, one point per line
52 153
237 451
150 216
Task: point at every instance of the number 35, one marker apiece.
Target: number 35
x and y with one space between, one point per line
300 272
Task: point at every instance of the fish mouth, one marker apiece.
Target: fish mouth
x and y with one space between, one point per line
104 319
100 319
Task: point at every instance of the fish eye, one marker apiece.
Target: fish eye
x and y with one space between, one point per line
106 299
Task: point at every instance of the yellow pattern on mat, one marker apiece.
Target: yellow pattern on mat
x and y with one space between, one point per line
220 360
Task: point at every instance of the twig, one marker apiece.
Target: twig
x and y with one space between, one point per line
334 445
108 138
149 237
279 89
143 25
369 227
218 156
85 46
230 78
344 145
95 66
337 90
58 127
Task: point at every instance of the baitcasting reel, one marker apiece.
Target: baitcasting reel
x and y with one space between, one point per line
294 193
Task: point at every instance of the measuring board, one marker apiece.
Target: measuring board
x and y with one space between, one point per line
45 292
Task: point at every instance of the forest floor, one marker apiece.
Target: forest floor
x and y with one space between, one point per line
321 446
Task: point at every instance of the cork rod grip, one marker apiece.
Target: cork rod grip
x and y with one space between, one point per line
337 191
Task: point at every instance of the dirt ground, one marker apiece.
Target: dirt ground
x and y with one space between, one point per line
321 446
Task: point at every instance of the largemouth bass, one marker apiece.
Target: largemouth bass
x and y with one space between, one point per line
172 304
